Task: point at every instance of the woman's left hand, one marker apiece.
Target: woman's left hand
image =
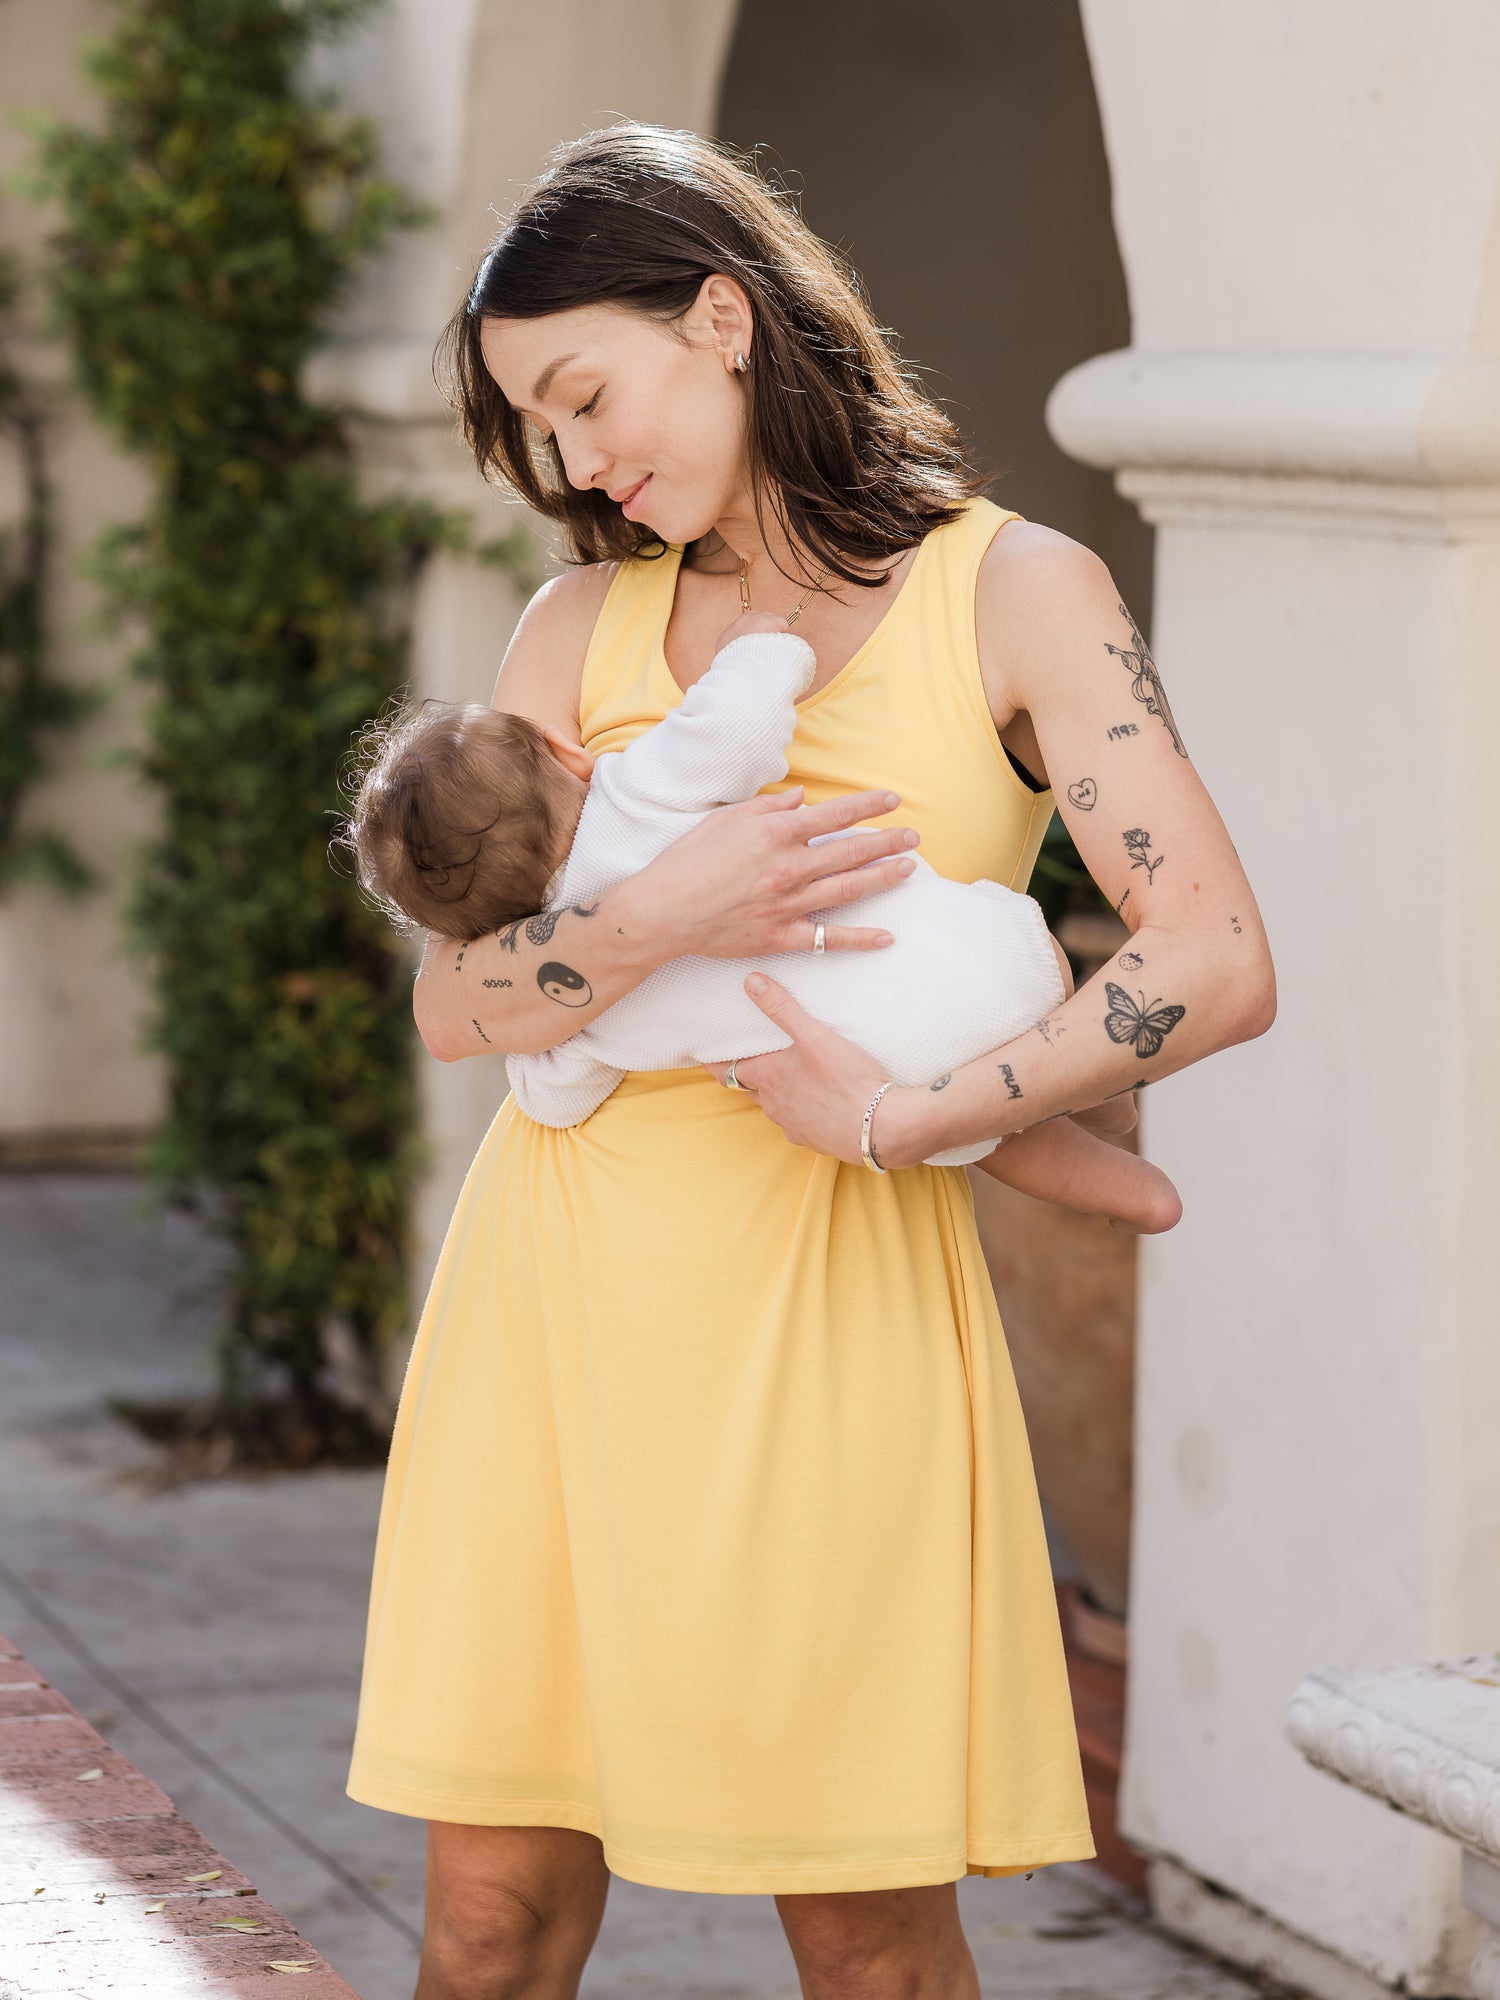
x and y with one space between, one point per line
817 1090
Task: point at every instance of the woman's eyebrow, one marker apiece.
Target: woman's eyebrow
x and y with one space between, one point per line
544 381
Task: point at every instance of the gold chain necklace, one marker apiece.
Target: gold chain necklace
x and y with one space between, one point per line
802 602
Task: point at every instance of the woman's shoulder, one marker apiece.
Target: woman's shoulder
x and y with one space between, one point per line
569 604
1029 556
1037 594
542 671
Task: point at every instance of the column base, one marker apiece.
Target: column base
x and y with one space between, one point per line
1206 1915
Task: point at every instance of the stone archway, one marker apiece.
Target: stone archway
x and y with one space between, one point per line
959 162
957 157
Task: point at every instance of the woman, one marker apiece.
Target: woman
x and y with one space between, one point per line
710 1550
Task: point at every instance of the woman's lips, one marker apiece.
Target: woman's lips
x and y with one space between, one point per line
632 496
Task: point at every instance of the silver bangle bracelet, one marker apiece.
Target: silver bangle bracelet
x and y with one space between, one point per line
864 1131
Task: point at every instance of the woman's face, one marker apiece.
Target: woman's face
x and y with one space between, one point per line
653 415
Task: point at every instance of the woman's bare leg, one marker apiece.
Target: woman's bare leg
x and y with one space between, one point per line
880 1944
512 1911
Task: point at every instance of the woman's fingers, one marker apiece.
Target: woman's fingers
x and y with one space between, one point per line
789 1015
831 890
853 850
846 810
837 937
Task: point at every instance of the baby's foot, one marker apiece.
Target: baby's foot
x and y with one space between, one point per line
1154 1204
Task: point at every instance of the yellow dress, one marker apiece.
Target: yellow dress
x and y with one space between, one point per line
710 1525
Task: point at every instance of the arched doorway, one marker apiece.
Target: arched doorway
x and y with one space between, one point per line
955 155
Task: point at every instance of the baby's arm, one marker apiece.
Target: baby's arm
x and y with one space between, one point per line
727 737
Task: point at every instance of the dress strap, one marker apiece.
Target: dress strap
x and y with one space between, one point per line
629 630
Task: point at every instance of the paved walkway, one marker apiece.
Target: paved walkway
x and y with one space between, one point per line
213 1635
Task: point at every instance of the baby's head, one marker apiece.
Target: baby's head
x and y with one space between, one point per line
464 815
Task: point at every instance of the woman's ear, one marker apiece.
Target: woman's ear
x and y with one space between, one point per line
722 316
572 756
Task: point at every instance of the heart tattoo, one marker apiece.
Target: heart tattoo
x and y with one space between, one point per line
1084 795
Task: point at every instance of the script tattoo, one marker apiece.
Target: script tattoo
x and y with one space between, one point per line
1013 1089
1145 682
497 982
1147 1027
1122 902
458 963
1137 846
480 1032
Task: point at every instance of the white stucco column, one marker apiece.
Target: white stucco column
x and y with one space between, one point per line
1310 413
471 95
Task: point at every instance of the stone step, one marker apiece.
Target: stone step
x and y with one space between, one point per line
107 1893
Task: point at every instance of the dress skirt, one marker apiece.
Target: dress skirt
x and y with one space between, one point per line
710 1526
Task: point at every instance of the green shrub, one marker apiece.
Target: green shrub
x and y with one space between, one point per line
33 701
209 224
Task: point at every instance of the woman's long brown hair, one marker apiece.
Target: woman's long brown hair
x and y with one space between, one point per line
855 461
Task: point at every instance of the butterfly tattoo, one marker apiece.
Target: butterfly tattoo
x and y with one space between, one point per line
1147 1027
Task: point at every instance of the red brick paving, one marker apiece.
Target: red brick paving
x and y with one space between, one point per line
82 1859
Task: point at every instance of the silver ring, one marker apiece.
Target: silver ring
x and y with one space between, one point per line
731 1081
818 939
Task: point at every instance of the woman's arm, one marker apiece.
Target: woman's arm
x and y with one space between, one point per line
1195 975
738 885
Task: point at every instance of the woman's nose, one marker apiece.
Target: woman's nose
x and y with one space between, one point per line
585 465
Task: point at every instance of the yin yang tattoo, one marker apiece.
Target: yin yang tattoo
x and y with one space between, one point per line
561 983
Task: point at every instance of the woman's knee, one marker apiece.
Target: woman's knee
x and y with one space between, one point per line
880 1942
505 1905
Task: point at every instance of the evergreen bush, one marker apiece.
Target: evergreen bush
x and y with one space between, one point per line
209 224
34 702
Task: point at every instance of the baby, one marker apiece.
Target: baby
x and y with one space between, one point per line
468 820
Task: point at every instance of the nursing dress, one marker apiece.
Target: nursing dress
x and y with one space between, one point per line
710 1525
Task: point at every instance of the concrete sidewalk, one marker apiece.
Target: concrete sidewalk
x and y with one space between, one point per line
213 1634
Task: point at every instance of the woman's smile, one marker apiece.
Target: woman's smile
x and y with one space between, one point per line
634 494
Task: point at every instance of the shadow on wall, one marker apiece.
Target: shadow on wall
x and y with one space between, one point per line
956 156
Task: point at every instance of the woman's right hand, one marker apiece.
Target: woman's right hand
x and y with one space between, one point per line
740 884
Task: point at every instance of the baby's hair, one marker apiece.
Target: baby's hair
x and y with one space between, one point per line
460 820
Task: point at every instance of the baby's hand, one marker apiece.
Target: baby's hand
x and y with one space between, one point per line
750 621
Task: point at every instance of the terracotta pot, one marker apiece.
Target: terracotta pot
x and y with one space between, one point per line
1066 1288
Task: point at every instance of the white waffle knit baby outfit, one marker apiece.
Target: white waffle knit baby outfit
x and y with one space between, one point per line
971 965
